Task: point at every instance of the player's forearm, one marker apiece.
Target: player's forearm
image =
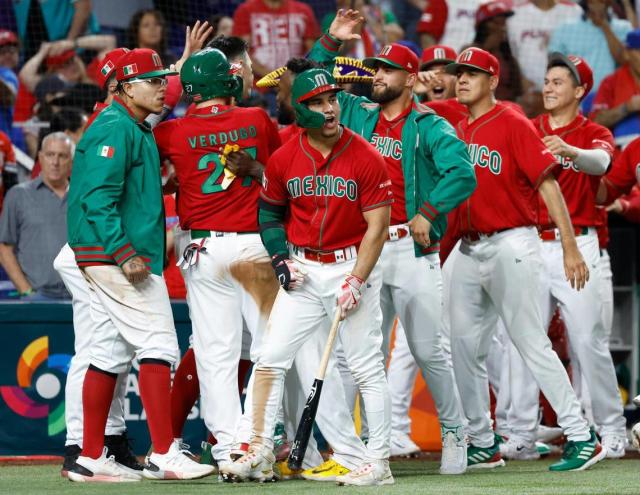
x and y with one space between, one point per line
592 162
80 19
631 209
12 267
97 42
372 242
616 48
611 117
271 225
552 197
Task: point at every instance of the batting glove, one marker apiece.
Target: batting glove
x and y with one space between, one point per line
289 273
349 294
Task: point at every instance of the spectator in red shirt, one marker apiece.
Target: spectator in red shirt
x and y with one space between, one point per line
276 30
432 22
617 102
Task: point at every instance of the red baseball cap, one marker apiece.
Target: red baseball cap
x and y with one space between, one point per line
577 66
395 55
54 61
493 9
141 63
437 54
108 65
8 37
476 58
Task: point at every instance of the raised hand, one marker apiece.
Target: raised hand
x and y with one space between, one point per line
345 25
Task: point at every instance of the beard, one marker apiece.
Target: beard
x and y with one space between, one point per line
386 95
286 115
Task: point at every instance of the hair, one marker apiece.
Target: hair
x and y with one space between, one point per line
134 27
233 47
66 119
299 65
59 136
558 63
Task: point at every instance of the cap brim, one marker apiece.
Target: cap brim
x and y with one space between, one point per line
453 68
426 65
373 61
566 61
157 73
318 91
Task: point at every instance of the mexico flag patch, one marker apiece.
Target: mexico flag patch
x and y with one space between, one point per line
107 68
128 70
106 151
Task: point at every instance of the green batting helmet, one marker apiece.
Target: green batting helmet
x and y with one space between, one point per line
305 86
208 74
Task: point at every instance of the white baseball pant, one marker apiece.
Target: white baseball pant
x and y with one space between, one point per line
298 314
412 289
500 275
85 323
582 313
401 375
232 282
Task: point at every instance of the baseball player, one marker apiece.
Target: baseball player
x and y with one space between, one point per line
498 264
84 324
584 150
226 267
430 174
335 191
117 235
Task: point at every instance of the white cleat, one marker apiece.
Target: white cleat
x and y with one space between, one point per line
635 436
256 464
454 451
176 464
373 473
402 445
615 446
518 450
636 400
102 470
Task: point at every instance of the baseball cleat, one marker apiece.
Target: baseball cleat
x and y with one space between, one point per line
329 470
636 400
484 457
543 449
578 456
176 464
101 470
635 435
454 451
373 473
518 450
284 472
71 454
402 445
281 446
615 445
256 464
119 447
205 455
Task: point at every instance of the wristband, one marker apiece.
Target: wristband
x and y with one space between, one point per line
27 292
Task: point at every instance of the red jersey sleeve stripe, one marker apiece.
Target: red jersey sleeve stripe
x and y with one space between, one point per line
121 260
272 201
429 211
329 43
378 205
123 248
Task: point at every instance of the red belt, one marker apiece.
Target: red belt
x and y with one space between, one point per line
476 236
337 256
554 234
397 232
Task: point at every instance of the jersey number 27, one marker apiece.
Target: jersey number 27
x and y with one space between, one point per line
211 185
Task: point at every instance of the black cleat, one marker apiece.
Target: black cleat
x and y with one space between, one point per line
71 454
119 446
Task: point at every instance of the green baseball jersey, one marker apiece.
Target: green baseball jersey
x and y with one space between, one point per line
115 209
438 173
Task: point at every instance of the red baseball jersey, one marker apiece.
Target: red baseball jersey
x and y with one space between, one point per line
194 145
510 163
625 172
286 133
603 229
387 139
579 189
327 196
450 109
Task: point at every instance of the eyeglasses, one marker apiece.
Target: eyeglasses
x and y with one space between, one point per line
156 82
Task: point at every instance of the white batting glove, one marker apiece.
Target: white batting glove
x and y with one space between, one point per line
349 294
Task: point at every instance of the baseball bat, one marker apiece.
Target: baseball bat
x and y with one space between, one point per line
305 427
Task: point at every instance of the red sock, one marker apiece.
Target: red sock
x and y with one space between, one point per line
97 394
155 392
243 368
184 392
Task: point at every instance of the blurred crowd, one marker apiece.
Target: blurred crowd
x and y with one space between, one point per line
51 56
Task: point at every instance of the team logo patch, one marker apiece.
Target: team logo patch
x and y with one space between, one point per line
130 69
106 151
156 60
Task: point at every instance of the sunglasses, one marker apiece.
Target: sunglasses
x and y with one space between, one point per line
156 82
